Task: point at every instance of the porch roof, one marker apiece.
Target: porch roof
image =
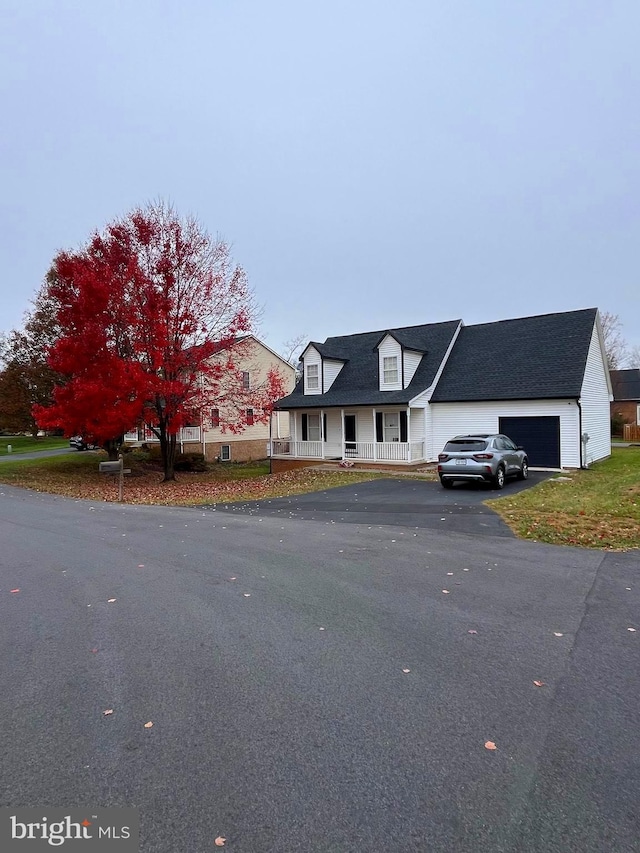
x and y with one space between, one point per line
357 384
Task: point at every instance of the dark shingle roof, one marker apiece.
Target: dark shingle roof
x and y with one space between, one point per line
626 384
357 382
541 357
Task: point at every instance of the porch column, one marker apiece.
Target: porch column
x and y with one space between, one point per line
342 433
408 434
294 434
375 438
322 433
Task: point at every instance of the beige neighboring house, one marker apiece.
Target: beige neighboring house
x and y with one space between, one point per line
209 437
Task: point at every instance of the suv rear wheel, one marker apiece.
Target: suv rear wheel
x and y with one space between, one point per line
498 480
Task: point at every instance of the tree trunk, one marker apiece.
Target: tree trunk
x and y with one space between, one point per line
112 446
168 450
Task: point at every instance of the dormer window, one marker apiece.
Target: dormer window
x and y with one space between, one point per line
390 369
313 377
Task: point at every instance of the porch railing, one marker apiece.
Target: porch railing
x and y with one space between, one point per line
365 451
186 434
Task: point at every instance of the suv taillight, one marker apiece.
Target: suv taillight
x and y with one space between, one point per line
442 457
483 455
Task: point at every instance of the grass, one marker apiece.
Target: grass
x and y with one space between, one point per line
596 508
26 444
77 477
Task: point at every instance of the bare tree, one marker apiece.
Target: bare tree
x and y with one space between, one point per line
633 359
615 344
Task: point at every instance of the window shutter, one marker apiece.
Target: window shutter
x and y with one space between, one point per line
403 426
305 427
379 428
324 426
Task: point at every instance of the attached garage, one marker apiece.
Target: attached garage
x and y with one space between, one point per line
540 437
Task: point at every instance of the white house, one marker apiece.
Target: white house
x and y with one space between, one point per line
395 396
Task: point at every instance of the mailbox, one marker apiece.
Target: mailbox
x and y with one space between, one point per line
111 467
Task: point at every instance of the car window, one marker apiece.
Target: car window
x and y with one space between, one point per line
461 445
509 445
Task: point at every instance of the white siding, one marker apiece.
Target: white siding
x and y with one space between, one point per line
365 430
411 362
334 427
416 417
331 370
449 419
389 347
594 399
312 356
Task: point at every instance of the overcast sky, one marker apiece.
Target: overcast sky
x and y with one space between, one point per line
373 164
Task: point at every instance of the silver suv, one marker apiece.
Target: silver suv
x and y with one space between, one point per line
483 458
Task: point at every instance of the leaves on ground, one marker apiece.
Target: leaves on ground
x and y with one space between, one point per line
446 591
633 630
406 670
472 631
108 712
110 600
15 590
539 683
148 725
490 745
557 634
220 841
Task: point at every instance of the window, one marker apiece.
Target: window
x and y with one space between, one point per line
246 380
249 416
390 369
311 427
225 453
215 417
312 377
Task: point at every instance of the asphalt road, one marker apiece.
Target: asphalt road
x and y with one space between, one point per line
37 454
268 652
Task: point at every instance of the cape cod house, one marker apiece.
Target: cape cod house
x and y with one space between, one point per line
395 396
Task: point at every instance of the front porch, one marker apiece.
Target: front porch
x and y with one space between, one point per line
379 435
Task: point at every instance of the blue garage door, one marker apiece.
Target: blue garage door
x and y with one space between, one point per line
539 436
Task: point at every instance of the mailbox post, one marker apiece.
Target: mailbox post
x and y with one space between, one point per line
115 468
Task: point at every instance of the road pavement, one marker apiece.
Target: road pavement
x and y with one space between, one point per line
315 685
37 454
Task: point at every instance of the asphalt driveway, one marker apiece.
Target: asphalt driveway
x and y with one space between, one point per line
402 502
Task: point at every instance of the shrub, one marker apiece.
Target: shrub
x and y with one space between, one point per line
617 424
190 462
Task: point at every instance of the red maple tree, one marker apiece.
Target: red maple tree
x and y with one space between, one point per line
152 312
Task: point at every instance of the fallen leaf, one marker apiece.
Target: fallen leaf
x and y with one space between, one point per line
94 651
490 745
633 630
539 683
232 579
220 841
110 600
406 670
449 573
108 712
446 591
321 629
247 594
557 634
15 590
141 565
472 631
148 725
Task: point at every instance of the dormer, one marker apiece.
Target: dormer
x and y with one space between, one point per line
397 364
320 370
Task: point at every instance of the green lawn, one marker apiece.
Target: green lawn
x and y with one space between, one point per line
25 443
597 508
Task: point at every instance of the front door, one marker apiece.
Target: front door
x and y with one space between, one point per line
350 447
